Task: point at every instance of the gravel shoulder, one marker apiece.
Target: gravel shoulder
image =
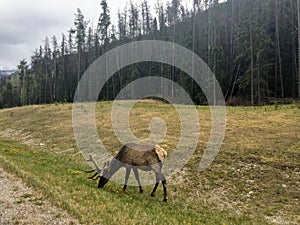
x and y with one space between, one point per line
20 204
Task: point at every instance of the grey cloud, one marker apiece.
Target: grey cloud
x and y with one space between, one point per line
24 24
23 27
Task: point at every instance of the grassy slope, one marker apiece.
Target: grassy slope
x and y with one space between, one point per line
255 176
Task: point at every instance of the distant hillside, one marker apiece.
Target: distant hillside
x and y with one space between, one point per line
6 73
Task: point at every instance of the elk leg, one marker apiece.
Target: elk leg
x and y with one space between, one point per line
137 177
154 189
164 183
128 169
155 186
160 177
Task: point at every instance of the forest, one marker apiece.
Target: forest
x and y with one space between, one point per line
252 46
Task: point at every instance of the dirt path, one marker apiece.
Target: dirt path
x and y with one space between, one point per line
19 204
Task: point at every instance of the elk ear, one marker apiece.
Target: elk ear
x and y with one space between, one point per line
160 152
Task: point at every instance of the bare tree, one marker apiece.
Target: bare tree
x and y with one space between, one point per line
252 62
278 48
298 8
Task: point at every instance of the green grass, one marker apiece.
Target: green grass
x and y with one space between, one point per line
62 181
254 179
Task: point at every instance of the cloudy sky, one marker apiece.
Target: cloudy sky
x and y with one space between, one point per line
24 24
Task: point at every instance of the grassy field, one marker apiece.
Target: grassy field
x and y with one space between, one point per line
255 178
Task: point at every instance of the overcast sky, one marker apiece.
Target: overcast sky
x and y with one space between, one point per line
24 24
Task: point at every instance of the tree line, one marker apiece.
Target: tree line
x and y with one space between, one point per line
252 46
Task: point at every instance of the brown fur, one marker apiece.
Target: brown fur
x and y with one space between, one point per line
141 155
131 156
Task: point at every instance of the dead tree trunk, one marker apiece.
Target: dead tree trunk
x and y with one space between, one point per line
298 8
278 48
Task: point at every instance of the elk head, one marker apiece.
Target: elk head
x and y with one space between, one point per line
98 172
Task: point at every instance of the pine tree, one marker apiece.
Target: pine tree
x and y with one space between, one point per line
133 21
81 26
62 85
173 12
55 68
48 72
23 76
38 74
146 18
122 30
103 24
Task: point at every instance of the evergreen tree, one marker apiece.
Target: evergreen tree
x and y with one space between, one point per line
122 26
24 77
134 29
55 69
81 26
103 24
62 85
146 18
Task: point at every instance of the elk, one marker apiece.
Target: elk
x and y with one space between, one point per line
133 157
